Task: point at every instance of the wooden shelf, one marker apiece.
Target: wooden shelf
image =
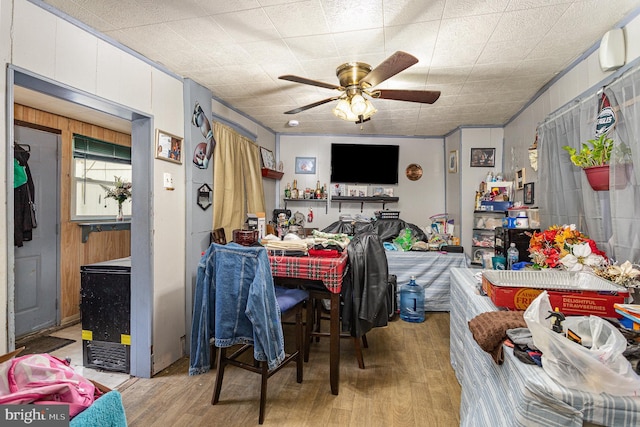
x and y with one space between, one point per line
362 200
93 227
270 173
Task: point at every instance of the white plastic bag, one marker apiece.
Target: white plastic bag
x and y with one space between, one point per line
601 368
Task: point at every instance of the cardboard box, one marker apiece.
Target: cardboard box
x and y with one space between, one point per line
569 302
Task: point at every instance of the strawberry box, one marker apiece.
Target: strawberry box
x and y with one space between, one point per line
571 293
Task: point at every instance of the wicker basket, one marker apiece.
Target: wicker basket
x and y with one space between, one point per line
245 237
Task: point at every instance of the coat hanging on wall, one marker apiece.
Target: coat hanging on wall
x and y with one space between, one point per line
24 208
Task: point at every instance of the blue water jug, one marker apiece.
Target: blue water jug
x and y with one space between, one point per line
412 302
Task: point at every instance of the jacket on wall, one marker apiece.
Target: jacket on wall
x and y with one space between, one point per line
23 208
365 286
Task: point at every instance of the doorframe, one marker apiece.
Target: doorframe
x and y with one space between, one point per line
142 254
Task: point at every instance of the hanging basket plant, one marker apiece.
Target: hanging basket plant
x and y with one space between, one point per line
594 157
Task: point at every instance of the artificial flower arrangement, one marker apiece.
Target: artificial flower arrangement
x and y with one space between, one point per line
566 247
625 274
121 192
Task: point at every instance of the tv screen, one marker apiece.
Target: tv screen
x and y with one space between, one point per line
364 164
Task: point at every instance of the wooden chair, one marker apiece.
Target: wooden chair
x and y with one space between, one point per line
290 302
314 321
218 236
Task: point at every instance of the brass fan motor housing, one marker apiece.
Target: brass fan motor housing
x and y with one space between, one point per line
351 73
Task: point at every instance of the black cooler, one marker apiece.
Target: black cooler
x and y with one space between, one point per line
105 309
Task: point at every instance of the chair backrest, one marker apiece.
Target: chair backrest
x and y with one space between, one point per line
368 280
245 301
218 236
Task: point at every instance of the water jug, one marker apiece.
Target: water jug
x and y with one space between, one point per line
412 302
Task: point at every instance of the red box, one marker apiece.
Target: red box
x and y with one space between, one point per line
569 302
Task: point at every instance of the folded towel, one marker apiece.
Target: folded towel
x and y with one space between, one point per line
490 330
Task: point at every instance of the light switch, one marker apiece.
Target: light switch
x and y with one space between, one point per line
168 181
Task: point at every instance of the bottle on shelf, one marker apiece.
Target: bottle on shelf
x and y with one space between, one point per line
318 193
294 190
287 191
412 302
513 256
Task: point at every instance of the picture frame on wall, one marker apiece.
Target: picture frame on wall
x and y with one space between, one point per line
528 197
305 165
453 161
268 160
168 147
483 157
520 179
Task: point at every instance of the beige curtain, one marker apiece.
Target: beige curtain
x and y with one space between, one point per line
237 179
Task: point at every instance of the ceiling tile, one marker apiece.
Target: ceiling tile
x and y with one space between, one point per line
487 58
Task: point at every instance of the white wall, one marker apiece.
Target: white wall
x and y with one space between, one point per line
47 45
472 177
418 200
520 133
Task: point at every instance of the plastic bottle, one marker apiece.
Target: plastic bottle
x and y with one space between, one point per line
513 255
412 302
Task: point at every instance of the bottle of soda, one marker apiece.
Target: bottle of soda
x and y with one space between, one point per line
513 256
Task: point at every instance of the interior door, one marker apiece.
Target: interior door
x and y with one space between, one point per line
37 283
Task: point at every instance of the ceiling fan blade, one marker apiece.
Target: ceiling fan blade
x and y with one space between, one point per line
305 81
422 96
306 107
390 67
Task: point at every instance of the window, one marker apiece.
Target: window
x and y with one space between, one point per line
95 165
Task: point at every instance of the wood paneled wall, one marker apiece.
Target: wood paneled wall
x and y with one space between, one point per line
100 246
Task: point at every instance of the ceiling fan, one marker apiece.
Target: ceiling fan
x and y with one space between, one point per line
358 80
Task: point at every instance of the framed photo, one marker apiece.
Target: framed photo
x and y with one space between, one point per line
306 165
357 190
520 179
268 161
338 190
483 157
528 193
453 161
168 147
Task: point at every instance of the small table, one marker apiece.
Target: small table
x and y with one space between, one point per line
329 271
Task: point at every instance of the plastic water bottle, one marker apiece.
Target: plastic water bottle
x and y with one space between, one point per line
412 302
513 256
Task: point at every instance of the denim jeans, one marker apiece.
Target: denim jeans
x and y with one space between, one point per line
235 303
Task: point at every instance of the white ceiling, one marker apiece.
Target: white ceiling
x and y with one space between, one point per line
487 57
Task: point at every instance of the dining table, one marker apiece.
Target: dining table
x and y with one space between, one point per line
330 273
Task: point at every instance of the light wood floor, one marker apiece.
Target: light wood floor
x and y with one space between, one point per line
408 381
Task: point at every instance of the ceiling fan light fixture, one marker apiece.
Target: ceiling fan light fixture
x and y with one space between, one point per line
342 109
370 110
358 104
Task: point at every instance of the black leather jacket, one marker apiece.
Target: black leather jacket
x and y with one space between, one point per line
365 286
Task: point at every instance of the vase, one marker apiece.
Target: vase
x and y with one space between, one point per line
120 216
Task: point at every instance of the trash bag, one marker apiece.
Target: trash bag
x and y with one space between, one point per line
405 239
599 369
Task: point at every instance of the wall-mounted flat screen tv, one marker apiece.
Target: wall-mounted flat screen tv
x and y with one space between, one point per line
364 164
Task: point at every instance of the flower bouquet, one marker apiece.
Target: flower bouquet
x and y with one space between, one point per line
121 192
565 247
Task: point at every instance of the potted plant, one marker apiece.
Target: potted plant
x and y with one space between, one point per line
594 158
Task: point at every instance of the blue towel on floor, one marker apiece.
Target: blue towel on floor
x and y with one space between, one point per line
106 411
